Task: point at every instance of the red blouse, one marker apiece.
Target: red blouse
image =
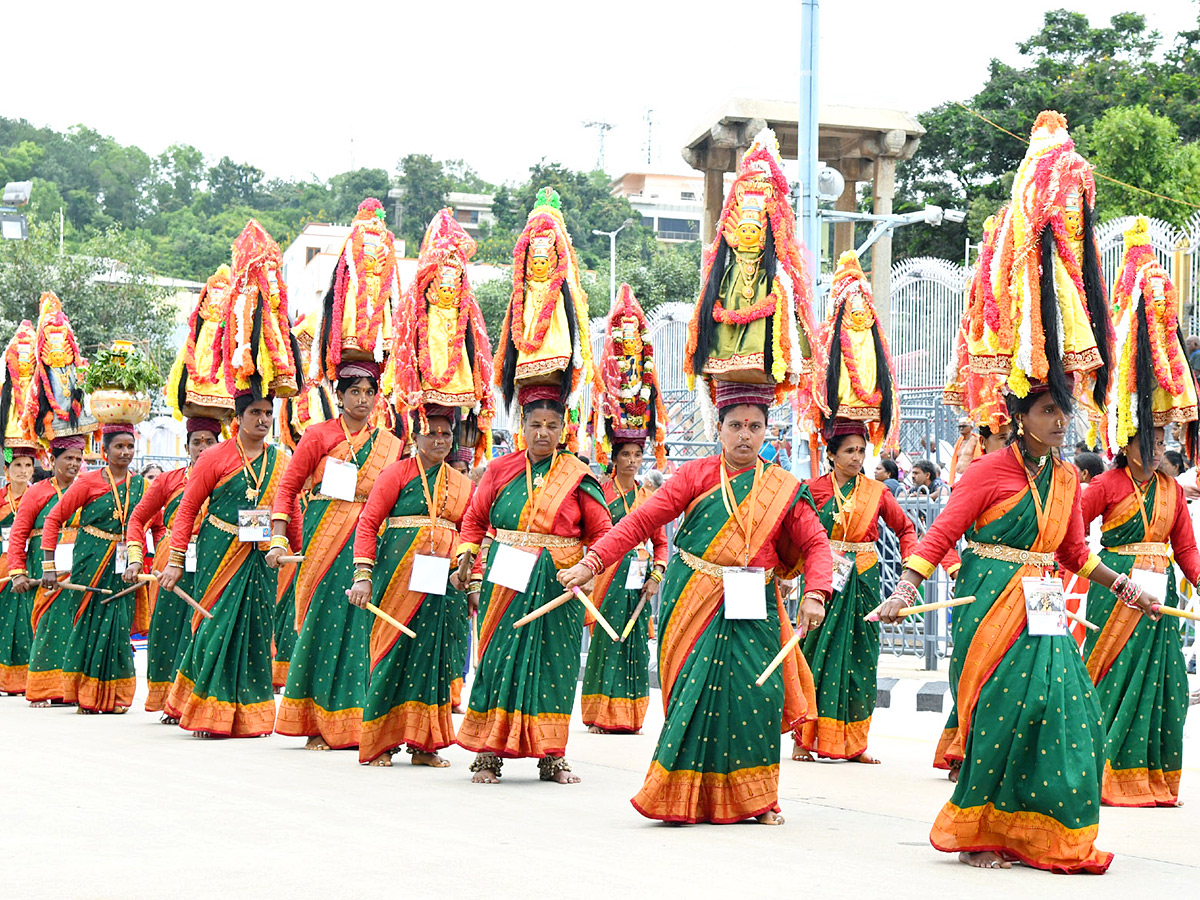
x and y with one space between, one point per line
84 489
695 478
33 502
658 540
148 514
987 481
382 500
889 510
318 442
1109 488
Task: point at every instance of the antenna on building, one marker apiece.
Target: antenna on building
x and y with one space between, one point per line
603 128
649 135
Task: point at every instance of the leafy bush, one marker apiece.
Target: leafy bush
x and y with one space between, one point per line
119 371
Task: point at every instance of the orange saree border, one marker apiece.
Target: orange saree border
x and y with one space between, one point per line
1139 787
728 797
1037 840
219 716
422 726
614 713
514 735
303 717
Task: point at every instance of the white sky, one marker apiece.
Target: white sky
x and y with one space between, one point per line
500 83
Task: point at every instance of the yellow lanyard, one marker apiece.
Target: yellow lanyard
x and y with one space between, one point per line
533 496
432 503
623 495
9 497
252 493
842 507
351 453
121 511
1038 509
745 525
1141 503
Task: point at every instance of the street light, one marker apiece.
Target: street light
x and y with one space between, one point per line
612 259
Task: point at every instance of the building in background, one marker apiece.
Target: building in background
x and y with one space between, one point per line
670 205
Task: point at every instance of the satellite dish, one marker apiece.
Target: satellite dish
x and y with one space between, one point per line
830 183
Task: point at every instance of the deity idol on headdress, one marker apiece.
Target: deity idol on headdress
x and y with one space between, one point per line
356 314
15 378
1155 390
544 337
200 383
1043 316
980 395
753 322
627 405
259 349
314 402
54 404
443 355
859 380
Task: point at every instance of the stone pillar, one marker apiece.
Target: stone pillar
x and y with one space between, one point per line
881 253
843 232
714 199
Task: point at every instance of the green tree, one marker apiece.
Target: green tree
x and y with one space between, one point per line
108 289
493 297
230 183
425 186
350 189
178 172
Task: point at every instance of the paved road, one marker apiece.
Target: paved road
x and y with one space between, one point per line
122 807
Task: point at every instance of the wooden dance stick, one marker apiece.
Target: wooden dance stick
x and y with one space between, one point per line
591 607
187 598
1177 613
873 615
542 610
119 594
288 560
637 610
1075 617
474 640
779 658
87 589
395 623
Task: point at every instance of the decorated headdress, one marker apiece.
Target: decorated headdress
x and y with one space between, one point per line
1153 385
258 344
314 402
627 404
15 378
200 383
356 314
859 384
979 395
54 404
1043 315
442 354
756 240
544 336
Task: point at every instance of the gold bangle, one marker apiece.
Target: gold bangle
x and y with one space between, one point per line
656 575
363 575
178 558
279 542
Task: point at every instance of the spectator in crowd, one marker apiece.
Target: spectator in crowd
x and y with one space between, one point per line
926 481
653 480
1192 346
151 471
1173 463
775 449
889 473
1082 447
966 449
1089 465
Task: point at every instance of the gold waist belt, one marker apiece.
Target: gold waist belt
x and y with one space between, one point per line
417 522
358 498
704 567
1145 548
533 539
1011 554
852 546
222 525
104 535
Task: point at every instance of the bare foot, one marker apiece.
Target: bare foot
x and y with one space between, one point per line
988 859
799 754
770 818
202 735
420 758
596 729
564 776
316 742
456 710
866 759
39 704
384 760
168 719
953 774
80 711
120 710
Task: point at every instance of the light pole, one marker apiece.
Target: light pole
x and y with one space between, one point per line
612 259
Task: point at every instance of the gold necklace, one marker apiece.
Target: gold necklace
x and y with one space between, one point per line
749 273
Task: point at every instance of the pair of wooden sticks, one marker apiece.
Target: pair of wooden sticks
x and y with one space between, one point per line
559 601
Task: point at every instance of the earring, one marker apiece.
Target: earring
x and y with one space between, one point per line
1020 429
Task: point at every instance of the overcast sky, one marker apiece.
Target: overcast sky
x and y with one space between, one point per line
306 88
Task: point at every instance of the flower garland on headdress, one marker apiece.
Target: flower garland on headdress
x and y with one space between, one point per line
1042 292
627 404
869 378
546 224
15 378
373 294
41 406
259 348
418 384
797 360
1159 390
212 306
